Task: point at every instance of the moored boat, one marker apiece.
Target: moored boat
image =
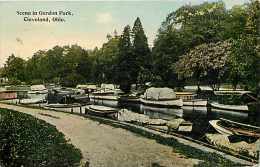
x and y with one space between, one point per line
8 94
129 99
58 105
161 97
38 89
220 129
107 96
190 99
243 108
32 101
228 127
195 102
102 111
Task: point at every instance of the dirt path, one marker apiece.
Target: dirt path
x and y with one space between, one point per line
106 146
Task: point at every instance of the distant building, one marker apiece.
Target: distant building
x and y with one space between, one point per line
6 95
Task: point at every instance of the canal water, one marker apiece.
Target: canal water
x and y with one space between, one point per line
199 116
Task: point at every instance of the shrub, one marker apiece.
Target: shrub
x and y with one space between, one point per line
28 141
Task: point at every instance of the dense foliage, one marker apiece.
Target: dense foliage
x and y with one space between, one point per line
186 38
206 61
27 141
197 32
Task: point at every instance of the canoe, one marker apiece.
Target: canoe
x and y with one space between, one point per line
225 126
103 111
163 103
38 92
31 101
105 97
58 105
243 108
219 129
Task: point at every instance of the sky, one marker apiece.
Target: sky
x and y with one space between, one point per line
88 26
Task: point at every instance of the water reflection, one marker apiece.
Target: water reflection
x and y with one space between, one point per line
162 113
109 103
199 116
37 96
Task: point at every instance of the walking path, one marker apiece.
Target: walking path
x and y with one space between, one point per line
106 146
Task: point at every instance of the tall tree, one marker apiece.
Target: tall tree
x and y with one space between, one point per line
141 49
126 62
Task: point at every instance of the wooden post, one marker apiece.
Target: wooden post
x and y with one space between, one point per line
71 110
80 110
258 151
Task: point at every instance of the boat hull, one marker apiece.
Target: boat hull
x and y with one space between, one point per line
197 102
101 111
242 108
38 92
219 129
111 101
175 103
31 101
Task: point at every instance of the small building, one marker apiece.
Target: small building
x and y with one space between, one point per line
8 94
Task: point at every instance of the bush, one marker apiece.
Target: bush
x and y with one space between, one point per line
28 141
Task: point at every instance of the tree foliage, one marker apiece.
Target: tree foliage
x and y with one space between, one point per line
14 69
193 37
126 63
206 61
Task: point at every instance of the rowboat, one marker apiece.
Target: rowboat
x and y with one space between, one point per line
243 108
195 102
228 127
129 99
58 105
32 101
220 129
105 96
38 89
189 99
102 111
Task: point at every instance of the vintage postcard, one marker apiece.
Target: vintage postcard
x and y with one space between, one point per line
164 83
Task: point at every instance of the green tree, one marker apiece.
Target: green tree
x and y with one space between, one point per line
109 54
205 62
168 46
141 50
35 68
184 29
126 62
242 62
14 69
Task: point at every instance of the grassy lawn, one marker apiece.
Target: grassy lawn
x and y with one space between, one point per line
28 141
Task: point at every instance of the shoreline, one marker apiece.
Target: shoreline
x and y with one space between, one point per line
146 134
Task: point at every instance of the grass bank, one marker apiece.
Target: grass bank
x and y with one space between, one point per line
28 141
